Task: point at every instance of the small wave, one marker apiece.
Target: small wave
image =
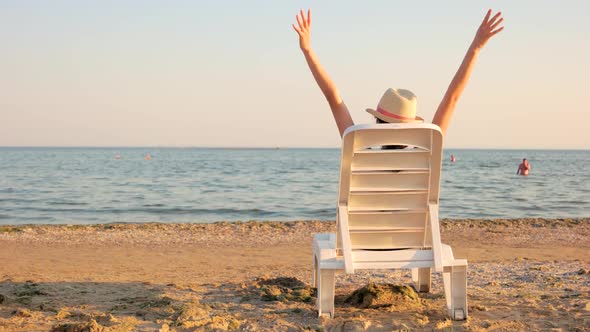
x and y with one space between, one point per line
238 211
531 208
297 169
324 210
42 209
194 211
66 203
120 192
489 165
317 213
576 202
160 210
18 200
124 184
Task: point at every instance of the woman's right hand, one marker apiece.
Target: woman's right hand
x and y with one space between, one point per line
339 109
303 29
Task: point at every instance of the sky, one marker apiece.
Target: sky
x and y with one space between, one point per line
230 73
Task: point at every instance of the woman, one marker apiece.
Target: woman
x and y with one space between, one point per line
396 105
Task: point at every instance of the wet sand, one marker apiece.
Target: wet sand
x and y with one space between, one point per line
525 274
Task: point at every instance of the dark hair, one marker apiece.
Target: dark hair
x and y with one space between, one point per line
390 147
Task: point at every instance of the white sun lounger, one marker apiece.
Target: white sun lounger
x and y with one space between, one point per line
388 199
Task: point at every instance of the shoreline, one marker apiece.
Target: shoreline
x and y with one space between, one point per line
524 274
531 238
539 220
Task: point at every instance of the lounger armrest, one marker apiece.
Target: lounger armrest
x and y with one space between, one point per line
324 245
449 259
436 241
345 238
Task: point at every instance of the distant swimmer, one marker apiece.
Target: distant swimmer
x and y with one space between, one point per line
117 156
453 159
148 157
523 168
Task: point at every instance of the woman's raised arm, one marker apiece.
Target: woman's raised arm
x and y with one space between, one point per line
329 89
488 28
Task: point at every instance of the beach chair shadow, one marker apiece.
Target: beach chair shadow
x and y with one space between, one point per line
387 216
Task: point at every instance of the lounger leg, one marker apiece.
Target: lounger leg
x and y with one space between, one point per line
455 282
421 279
325 292
314 279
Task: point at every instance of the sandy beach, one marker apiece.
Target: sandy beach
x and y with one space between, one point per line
525 274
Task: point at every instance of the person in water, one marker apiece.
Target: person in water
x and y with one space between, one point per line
523 168
396 105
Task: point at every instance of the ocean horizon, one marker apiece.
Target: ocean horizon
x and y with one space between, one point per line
243 147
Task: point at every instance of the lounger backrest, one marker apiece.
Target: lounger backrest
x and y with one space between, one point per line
386 192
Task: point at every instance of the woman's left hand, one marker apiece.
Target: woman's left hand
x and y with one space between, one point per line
488 28
304 30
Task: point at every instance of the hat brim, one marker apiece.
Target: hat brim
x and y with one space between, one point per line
389 119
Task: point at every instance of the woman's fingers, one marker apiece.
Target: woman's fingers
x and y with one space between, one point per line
302 13
493 26
300 23
485 19
296 29
496 31
493 19
304 21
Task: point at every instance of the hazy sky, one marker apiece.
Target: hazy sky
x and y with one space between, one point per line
230 73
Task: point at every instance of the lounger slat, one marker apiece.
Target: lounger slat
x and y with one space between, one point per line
391 160
387 230
387 220
391 255
385 168
358 190
392 265
394 194
399 151
387 201
393 181
390 172
386 240
388 212
408 137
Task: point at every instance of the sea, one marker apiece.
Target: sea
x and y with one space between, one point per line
203 185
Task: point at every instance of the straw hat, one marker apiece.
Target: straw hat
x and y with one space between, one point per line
396 105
